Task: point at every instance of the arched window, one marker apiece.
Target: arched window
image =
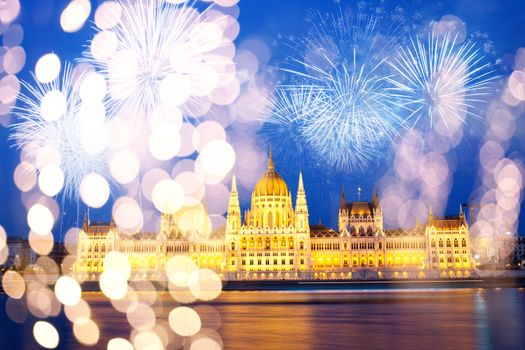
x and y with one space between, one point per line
290 243
267 243
233 246
380 245
361 231
440 243
259 242
433 244
301 245
345 246
448 243
369 230
96 248
463 243
456 243
243 243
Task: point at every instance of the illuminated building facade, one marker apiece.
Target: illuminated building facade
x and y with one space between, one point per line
274 240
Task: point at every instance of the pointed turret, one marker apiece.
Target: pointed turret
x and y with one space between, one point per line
375 199
343 200
301 185
430 214
233 218
234 184
462 218
85 223
301 207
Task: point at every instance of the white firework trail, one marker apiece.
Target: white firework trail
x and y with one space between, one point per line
75 140
339 99
439 83
283 130
162 56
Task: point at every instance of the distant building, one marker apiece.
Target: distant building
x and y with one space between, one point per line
20 254
494 249
276 241
519 251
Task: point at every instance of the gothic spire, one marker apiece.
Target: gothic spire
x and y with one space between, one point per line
343 200
271 166
375 199
234 184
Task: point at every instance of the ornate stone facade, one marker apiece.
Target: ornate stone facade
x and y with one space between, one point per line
276 241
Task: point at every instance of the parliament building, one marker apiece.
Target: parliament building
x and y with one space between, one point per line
274 240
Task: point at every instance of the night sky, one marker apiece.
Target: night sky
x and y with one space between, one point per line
271 21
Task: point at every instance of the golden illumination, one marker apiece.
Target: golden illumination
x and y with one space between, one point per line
272 240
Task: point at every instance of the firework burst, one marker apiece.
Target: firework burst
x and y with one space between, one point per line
56 126
339 99
162 55
440 83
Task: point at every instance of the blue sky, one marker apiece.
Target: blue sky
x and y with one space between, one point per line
271 20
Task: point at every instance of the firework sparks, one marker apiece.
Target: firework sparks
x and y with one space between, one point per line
440 83
57 128
158 55
340 101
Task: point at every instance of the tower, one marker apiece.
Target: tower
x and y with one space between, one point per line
343 214
233 221
375 199
301 208
167 226
377 212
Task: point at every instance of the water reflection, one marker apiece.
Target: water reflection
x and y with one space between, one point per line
379 319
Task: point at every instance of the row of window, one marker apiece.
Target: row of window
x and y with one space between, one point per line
449 243
406 245
268 244
450 259
284 244
449 252
366 245
268 254
324 246
256 262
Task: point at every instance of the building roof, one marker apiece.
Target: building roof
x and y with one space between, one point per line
415 231
322 231
271 183
98 228
359 208
447 224
15 239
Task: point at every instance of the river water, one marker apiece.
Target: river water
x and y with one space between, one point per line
359 319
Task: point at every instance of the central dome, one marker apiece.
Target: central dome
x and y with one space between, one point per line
271 183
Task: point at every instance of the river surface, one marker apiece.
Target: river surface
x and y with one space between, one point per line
359 319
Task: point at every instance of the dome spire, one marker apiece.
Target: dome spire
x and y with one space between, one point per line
271 167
